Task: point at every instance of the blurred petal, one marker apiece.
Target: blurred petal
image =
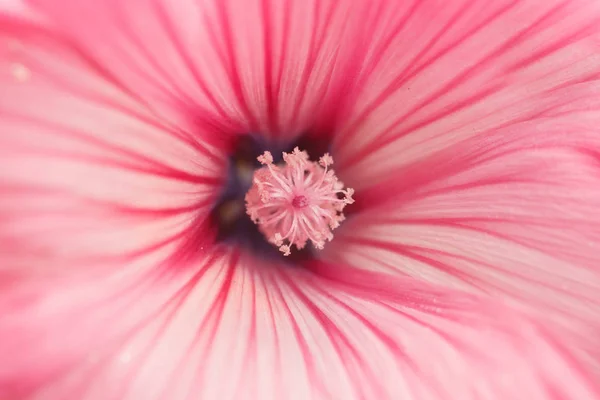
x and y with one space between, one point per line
12 6
232 329
88 172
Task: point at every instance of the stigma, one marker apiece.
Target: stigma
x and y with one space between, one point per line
297 201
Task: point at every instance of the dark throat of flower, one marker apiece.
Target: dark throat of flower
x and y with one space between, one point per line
251 212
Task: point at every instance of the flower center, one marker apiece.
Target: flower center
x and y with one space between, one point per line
278 200
300 201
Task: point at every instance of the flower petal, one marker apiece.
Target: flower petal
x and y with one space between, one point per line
513 216
233 327
11 6
475 149
88 172
268 67
383 76
437 76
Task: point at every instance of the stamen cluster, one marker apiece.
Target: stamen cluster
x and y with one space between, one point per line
297 201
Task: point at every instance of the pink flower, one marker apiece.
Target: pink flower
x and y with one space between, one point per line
468 268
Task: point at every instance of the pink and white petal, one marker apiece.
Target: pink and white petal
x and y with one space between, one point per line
236 327
12 6
513 216
445 343
70 337
439 73
87 172
259 66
